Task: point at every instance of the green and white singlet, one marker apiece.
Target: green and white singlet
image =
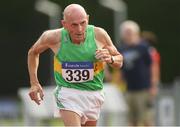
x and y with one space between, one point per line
75 66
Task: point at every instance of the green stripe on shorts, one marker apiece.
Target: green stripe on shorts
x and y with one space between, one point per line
59 104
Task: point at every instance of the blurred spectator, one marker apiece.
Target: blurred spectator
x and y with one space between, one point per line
137 74
151 38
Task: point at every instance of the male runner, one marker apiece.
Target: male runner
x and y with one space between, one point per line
80 50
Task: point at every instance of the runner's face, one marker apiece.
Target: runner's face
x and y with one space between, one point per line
76 26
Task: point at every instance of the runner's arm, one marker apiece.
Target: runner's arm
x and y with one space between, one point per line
46 40
112 57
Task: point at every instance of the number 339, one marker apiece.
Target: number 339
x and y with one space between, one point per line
77 75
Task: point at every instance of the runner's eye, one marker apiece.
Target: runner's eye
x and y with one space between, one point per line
74 25
83 23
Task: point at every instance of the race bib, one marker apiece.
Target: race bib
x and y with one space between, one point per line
76 72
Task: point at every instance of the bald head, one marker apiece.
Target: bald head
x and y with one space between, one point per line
75 22
74 10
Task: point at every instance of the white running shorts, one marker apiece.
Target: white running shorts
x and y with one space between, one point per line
86 104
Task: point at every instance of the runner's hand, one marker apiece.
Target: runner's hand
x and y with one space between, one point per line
103 55
36 93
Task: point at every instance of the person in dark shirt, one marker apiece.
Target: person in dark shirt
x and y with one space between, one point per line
137 74
136 66
152 39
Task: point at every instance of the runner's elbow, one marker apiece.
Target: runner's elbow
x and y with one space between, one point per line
32 52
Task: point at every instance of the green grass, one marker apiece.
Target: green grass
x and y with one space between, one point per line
20 122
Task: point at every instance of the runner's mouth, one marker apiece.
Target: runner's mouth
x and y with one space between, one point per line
79 35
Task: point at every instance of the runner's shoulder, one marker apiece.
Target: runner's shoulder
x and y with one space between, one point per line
52 33
52 36
100 34
99 30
